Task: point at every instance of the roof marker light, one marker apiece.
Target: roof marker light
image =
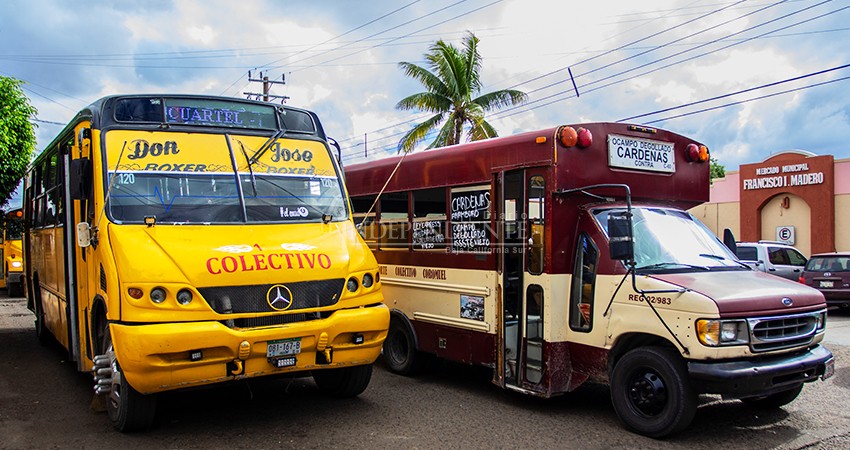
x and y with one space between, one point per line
692 153
568 136
585 138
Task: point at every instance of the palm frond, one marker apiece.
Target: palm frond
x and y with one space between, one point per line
417 134
429 81
472 63
425 101
497 99
482 130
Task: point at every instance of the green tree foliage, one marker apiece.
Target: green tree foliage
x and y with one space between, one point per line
452 89
717 170
17 135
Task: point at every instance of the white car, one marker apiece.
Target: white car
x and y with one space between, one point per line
772 257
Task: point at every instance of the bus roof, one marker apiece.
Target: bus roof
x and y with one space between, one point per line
102 114
477 162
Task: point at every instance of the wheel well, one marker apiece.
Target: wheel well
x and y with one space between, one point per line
631 341
98 321
397 315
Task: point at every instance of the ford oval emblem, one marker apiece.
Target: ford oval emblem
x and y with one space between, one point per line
787 301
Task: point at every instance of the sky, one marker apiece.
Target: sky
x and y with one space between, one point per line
746 78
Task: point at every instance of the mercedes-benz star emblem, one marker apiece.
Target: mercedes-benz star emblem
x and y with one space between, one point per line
279 297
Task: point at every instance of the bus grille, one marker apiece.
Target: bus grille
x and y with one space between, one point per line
775 333
253 299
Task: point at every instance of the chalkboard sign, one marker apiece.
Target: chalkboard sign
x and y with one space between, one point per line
470 214
429 234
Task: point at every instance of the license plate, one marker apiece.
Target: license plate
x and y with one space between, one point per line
826 284
283 347
829 369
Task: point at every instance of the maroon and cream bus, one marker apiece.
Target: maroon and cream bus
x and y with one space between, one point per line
567 255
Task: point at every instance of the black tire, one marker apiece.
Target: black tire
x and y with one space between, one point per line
399 350
41 331
15 290
774 401
127 408
651 392
344 382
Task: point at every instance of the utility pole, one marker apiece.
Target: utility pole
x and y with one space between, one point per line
267 84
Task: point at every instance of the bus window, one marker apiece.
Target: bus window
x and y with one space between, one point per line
536 195
393 221
429 219
366 225
584 280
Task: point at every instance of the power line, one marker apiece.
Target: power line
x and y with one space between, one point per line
730 94
761 97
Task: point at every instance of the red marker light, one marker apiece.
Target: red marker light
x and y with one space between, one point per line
585 138
692 153
703 153
568 136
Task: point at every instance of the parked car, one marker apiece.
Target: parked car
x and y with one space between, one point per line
830 273
772 257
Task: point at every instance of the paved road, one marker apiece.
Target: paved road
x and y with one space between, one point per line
44 403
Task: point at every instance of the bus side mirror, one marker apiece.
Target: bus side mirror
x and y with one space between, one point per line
620 239
81 178
83 234
729 241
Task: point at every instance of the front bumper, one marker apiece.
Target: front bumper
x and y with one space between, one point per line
158 357
762 376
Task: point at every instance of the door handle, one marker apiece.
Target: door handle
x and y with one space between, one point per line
772 269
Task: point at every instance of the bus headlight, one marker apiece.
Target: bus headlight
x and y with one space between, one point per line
715 332
184 297
367 280
352 284
158 295
16 264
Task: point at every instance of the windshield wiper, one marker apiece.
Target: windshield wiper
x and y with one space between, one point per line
266 145
250 169
667 265
720 258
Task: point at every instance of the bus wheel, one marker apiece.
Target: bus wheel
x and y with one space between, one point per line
15 289
776 400
399 350
651 393
343 382
41 330
128 409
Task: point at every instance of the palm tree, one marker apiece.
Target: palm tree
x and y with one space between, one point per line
450 86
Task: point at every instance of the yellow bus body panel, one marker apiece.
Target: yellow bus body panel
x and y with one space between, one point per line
153 360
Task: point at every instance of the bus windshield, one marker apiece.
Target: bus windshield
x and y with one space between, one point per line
672 240
190 178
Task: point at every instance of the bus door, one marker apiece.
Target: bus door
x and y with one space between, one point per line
521 216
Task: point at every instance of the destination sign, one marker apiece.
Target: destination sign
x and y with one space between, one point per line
629 152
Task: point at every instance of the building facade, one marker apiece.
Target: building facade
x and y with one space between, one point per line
795 197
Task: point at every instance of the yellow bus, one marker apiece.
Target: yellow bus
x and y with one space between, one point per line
177 241
567 255
12 270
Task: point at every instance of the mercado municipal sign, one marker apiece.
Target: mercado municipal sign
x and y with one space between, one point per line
783 176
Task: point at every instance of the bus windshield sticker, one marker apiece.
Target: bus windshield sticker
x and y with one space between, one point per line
635 153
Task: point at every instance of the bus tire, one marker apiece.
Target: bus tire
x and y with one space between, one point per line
343 382
776 400
128 409
15 289
651 392
41 331
399 349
